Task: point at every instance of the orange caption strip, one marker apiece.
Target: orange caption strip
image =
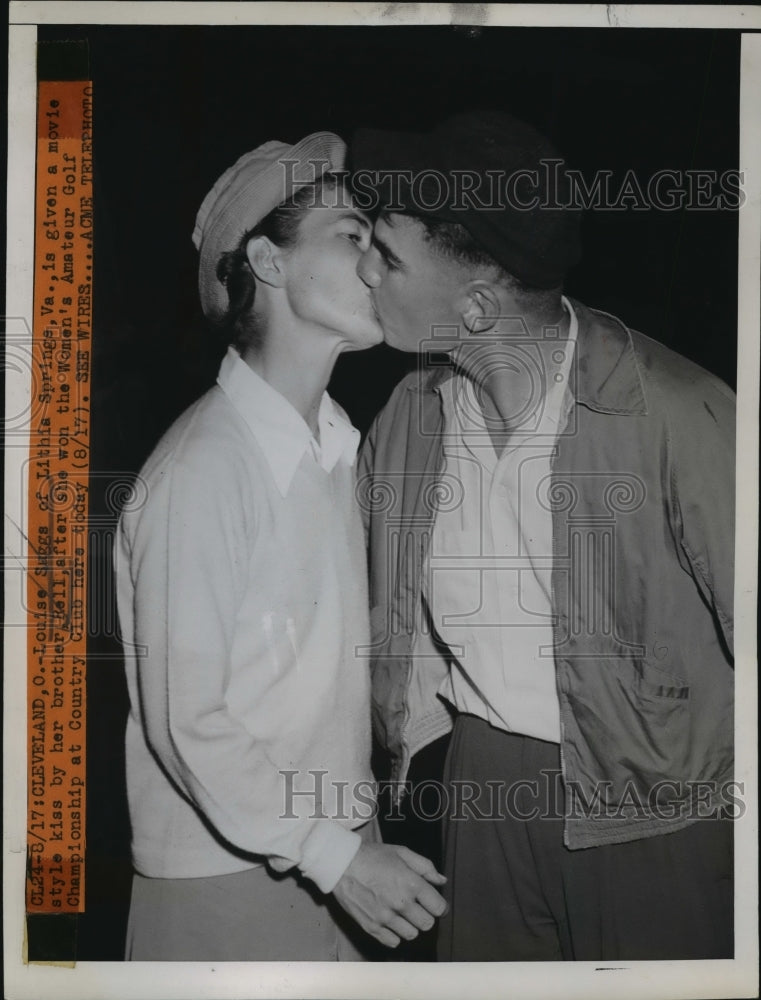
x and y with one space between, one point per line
59 461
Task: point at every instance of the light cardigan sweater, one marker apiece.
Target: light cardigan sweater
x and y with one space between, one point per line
241 575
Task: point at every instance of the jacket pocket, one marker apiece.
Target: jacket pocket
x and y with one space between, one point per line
629 727
654 724
653 683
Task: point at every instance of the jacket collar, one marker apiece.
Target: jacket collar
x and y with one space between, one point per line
605 375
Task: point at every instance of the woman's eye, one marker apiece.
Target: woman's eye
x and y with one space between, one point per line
354 237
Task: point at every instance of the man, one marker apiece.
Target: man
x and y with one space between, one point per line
248 771
549 511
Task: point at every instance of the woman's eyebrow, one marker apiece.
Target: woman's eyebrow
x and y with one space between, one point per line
355 217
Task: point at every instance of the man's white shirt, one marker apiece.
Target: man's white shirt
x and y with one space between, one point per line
487 579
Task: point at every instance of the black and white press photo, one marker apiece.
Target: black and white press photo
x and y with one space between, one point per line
415 368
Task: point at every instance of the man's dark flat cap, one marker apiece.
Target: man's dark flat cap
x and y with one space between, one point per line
495 175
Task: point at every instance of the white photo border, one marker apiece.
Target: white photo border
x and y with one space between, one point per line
166 981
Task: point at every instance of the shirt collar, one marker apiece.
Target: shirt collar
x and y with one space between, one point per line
573 324
559 394
280 431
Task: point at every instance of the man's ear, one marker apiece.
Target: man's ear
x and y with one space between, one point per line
266 261
479 307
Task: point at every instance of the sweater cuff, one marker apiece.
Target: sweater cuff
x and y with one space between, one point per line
327 853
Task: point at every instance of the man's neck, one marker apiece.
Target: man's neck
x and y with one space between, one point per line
511 390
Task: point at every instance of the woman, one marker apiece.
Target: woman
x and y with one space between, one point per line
243 598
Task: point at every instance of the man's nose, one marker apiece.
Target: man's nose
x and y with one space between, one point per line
368 268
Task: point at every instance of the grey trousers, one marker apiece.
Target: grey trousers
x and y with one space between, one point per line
516 893
253 915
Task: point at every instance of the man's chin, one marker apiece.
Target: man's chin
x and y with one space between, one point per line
391 340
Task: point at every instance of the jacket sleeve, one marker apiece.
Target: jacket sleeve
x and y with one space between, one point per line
703 495
365 463
189 562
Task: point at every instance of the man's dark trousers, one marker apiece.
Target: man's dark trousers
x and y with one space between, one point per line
516 893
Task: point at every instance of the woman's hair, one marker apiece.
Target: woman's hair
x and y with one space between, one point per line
281 226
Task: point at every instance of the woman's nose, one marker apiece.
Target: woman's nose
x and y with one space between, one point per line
367 268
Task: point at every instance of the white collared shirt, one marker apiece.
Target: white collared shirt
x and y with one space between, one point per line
488 586
241 575
280 431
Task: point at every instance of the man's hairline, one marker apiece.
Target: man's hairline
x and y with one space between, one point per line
436 252
498 268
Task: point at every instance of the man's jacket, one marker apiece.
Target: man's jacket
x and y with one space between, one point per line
642 500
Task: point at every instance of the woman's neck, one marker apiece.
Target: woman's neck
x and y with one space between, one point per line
300 371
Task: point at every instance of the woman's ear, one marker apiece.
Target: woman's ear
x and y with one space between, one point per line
479 307
266 261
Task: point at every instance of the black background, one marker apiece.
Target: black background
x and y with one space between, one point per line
174 107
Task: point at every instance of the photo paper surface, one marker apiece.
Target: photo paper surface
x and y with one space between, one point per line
121 118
